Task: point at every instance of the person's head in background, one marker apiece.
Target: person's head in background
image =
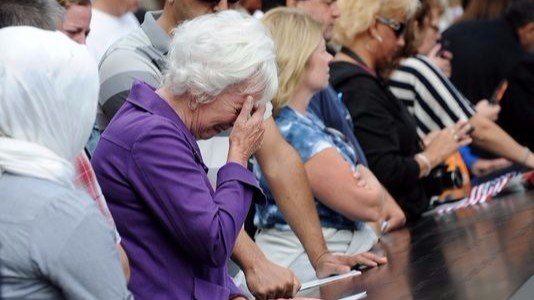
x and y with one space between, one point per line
482 10
375 29
77 19
422 31
325 11
250 6
177 11
116 7
48 117
520 13
44 14
300 53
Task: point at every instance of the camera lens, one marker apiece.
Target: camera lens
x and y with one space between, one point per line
453 179
441 179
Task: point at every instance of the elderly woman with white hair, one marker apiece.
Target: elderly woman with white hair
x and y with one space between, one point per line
54 242
179 231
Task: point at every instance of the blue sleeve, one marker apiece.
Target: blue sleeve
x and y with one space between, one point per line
307 142
468 156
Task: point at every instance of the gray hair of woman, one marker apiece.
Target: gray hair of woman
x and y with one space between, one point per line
44 14
214 53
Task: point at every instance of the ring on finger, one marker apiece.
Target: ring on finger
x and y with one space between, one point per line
455 137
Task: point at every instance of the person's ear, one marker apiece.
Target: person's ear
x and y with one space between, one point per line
526 29
373 28
526 34
415 25
529 28
373 32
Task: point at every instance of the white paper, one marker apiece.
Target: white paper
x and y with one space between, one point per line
318 282
361 295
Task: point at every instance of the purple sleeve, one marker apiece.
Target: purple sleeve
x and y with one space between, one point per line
176 189
234 290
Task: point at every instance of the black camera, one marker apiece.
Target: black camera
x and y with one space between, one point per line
441 179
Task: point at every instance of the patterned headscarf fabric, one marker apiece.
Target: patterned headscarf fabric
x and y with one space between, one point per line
48 99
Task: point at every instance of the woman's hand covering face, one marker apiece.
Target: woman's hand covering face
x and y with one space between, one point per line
247 133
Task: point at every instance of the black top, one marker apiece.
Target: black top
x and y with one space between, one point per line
484 53
517 107
386 131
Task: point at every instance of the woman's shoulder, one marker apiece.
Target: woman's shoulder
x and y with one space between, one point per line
351 76
293 125
42 201
417 64
416 71
42 190
299 131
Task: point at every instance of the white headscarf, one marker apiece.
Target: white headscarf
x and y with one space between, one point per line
48 99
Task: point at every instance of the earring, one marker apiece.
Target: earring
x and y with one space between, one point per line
379 38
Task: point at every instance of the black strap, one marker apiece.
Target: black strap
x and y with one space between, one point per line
352 54
359 61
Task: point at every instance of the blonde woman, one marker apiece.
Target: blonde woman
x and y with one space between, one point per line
344 201
371 32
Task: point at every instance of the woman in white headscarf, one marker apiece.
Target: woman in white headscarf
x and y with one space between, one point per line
54 243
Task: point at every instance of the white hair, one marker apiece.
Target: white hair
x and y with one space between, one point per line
216 52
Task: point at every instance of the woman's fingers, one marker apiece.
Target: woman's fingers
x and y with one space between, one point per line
244 114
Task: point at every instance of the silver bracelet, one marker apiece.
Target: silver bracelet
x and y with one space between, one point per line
527 153
426 162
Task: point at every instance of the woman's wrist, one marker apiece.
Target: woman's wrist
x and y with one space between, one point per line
236 158
425 162
315 261
527 158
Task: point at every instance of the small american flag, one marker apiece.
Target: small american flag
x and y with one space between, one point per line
479 193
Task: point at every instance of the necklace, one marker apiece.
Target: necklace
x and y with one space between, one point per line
358 60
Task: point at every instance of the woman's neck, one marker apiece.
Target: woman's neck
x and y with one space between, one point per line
300 99
358 47
179 104
167 21
108 8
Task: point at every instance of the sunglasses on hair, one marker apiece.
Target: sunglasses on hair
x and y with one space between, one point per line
217 1
397 27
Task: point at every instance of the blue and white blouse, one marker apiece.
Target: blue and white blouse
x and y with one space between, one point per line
309 136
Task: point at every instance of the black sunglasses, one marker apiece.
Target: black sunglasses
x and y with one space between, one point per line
217 1
397 27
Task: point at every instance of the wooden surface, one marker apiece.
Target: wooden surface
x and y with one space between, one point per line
481 252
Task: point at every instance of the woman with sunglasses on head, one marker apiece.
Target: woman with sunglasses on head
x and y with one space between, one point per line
371 32
432 99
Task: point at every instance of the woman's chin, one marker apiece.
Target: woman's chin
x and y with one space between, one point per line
206 135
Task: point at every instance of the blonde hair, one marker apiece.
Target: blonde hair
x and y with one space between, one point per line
359 15
296 36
